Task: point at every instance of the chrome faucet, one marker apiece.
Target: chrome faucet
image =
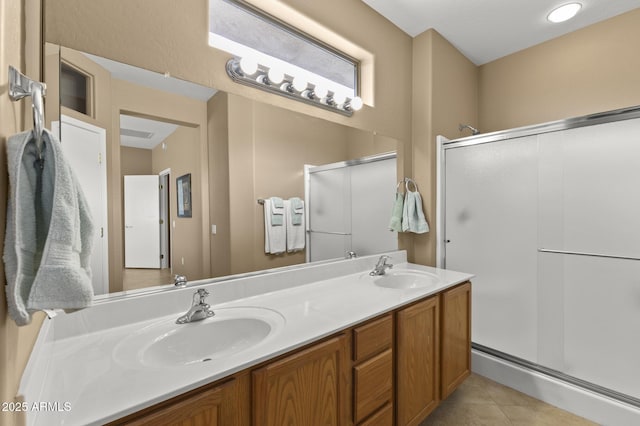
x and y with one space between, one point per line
351 255
180 281
381 266
199 308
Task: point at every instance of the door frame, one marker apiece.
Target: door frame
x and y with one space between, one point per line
166 235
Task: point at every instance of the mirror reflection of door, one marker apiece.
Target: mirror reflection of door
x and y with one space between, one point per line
84 147
146 208
142 221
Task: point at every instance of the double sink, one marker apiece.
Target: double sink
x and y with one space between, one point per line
230 331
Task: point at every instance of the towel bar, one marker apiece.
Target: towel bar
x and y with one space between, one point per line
579 253
329 232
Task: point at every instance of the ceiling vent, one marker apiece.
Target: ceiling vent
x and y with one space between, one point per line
136 133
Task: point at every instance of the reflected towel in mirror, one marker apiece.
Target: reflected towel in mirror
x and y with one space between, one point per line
295 224
277 211
275 237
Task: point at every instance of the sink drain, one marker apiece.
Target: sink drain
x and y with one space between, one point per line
206 359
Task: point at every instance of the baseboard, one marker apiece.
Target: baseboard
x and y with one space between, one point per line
585 403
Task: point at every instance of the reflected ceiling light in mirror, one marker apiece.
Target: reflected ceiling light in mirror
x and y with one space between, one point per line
320 91
292 83
275 75
354 104
300 84
338 98
564 12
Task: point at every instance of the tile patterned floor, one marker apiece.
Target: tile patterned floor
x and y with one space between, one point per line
480 401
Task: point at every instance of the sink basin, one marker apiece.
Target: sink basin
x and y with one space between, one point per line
167 344
406 280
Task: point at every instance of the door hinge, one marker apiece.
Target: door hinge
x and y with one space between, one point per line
100 158
101 232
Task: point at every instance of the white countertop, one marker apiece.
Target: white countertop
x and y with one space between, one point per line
81 371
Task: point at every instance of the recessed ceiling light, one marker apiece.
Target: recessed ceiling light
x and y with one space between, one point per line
564 12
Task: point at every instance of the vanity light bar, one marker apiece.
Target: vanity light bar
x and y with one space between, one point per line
274 81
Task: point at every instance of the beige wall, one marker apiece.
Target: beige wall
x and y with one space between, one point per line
590 70
135 161
182 155
445 93
218 133
19 48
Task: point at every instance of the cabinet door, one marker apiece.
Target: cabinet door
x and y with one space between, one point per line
417 361
310 387
210 407
455 338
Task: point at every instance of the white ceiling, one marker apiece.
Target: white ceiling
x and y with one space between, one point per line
159 130
484 30
153 80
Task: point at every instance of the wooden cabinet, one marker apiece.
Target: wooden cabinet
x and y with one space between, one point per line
417 361
455 337
373 372
221 404
310 387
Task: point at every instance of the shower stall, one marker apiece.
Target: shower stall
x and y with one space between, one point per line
548 218
349 206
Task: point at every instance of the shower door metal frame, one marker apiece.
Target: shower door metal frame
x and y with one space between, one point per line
442 145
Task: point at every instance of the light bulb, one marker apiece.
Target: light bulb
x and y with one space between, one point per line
356 103
320 91
276 76
249 66
339 98
300 84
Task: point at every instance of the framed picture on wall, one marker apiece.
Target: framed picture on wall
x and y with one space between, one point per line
183 186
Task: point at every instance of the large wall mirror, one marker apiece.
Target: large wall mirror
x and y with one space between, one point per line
146 126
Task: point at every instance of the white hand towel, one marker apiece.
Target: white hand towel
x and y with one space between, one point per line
49 231
274 236
295 224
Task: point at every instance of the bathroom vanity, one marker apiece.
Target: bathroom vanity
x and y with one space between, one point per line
342 347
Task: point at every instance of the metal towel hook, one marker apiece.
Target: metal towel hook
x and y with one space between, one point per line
21 86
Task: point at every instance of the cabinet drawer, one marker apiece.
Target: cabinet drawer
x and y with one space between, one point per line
383 417
372 338
373 384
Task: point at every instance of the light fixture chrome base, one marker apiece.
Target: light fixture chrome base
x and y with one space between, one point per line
233 71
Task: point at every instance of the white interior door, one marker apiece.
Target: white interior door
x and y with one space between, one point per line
142 221
84 147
